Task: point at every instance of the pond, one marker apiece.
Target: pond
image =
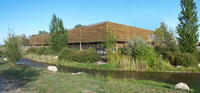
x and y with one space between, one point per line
192 79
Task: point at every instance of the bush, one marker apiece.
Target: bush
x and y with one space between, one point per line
88 55
40 51
12 46
140 50
31 50
49 51
184 59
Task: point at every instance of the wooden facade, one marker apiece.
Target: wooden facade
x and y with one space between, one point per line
92 36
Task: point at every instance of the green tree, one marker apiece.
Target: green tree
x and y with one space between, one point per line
164 40
42 32
59 37
188 27
79 25
24 40
13 51
109 44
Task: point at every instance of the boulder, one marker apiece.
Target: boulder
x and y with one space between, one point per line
52 68
100 63
182 86
78 73
178 66
199 65
5 59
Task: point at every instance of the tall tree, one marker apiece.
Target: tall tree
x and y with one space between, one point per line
164 40
188 27
59 37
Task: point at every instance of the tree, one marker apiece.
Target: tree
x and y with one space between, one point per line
42 32
188 27
164 40
59 37
13 51
79 25
110 41
109 44
24 40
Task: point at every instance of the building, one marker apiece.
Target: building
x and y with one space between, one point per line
92 36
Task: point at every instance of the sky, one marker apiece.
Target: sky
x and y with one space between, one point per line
29 16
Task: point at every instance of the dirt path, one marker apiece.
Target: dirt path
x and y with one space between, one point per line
9 86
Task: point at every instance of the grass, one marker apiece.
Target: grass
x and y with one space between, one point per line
51 60
39 80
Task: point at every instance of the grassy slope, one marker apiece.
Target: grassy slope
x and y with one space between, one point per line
40 80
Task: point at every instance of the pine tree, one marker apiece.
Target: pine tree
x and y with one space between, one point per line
59 37
188 27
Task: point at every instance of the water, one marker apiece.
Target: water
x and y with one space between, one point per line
192 79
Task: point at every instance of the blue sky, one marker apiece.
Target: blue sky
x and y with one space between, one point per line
29 16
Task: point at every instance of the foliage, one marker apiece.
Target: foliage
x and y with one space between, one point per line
24 41
109 44
59 37
140 50
42 32
162 65
31 50
164 41
188 27
88 55
41 50
184 59
13 51
79 25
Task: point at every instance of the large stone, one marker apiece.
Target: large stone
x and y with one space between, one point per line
199 65
5 59
52 68
100 63
182 86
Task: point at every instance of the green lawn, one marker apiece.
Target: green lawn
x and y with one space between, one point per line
38 80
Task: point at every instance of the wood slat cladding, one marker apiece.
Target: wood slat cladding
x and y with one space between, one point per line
96 33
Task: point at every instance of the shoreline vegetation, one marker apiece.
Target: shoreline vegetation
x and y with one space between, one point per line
39 80
54 61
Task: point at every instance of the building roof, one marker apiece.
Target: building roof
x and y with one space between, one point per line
96 33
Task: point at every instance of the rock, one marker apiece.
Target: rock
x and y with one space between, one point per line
52 68
178 66
199 65
5 59
182 86
78 73
100 63
56 57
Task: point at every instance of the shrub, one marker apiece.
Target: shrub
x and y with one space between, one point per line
184 59
140 50
31 50
40 51
88 55
13 51
64 54
49 51
162 65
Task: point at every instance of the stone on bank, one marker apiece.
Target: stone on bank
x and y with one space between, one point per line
182 86
52 68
